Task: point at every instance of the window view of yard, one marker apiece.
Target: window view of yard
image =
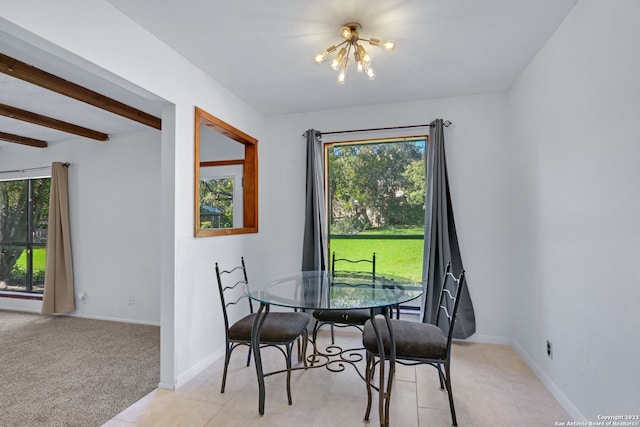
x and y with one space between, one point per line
24 211
399 257
18 279
376 203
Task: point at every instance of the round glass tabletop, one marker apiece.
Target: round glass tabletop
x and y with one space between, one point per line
336 291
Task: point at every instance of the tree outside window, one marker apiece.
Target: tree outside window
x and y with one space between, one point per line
376 196
216 203
24 211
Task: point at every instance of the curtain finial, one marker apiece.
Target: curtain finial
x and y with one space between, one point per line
445 123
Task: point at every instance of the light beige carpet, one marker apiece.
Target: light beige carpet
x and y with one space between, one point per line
68 371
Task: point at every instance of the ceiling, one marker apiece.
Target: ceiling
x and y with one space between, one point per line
62 70
262 52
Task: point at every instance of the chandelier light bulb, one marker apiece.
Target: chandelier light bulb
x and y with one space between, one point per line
335 62
363 54
387 45
321 56
343 71
369 70
345 32
356 56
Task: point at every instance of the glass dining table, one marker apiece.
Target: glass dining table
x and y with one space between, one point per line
323 290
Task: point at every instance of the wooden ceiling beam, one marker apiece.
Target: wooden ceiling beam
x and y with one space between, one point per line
36 76
37 119
17 139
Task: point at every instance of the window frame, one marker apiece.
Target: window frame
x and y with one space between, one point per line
29 245
327 205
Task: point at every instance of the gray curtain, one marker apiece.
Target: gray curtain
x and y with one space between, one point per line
314 256
440 238
58 276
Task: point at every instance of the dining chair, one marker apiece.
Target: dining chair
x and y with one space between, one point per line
420 343
344 318
280 329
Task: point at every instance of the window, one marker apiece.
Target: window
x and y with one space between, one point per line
24 211
376 195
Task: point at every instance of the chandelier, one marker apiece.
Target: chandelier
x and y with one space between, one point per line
350 34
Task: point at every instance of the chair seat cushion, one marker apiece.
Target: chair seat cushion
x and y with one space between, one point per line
348 317
277 327
414 340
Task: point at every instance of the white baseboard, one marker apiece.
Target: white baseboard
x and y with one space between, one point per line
114 319
198 367
16 304
166 386
562 398
487 339
35 306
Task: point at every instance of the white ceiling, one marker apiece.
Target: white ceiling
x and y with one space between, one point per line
262 51
26 96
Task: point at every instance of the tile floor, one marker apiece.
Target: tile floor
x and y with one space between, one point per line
492 387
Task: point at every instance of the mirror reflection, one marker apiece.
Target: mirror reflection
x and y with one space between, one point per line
225 178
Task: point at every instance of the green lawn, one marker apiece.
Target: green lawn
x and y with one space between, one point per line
39 260
397 257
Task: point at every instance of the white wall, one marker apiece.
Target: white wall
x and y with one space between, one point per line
83 31
477 160
576 232
114 203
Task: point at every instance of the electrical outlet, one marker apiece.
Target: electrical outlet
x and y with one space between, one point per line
131 300
549 349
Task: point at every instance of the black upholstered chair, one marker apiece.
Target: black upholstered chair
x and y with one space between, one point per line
280 330
344 318
420 343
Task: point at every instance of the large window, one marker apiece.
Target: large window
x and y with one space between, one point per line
376 200
24 210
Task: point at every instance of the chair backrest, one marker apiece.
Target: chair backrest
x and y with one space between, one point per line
449 301
233 291
370 268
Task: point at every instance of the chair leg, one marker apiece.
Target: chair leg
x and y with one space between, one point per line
314 338
289 351
373 370
440 374
227 357
368 374
249 357
333 341
303 356
450 392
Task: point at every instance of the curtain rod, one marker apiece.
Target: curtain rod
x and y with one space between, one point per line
33 169
446 123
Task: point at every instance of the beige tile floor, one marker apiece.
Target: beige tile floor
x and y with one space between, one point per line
492 387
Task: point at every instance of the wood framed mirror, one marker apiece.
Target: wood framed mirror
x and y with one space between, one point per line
226 178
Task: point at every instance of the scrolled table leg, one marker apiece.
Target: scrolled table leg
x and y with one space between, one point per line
392 368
